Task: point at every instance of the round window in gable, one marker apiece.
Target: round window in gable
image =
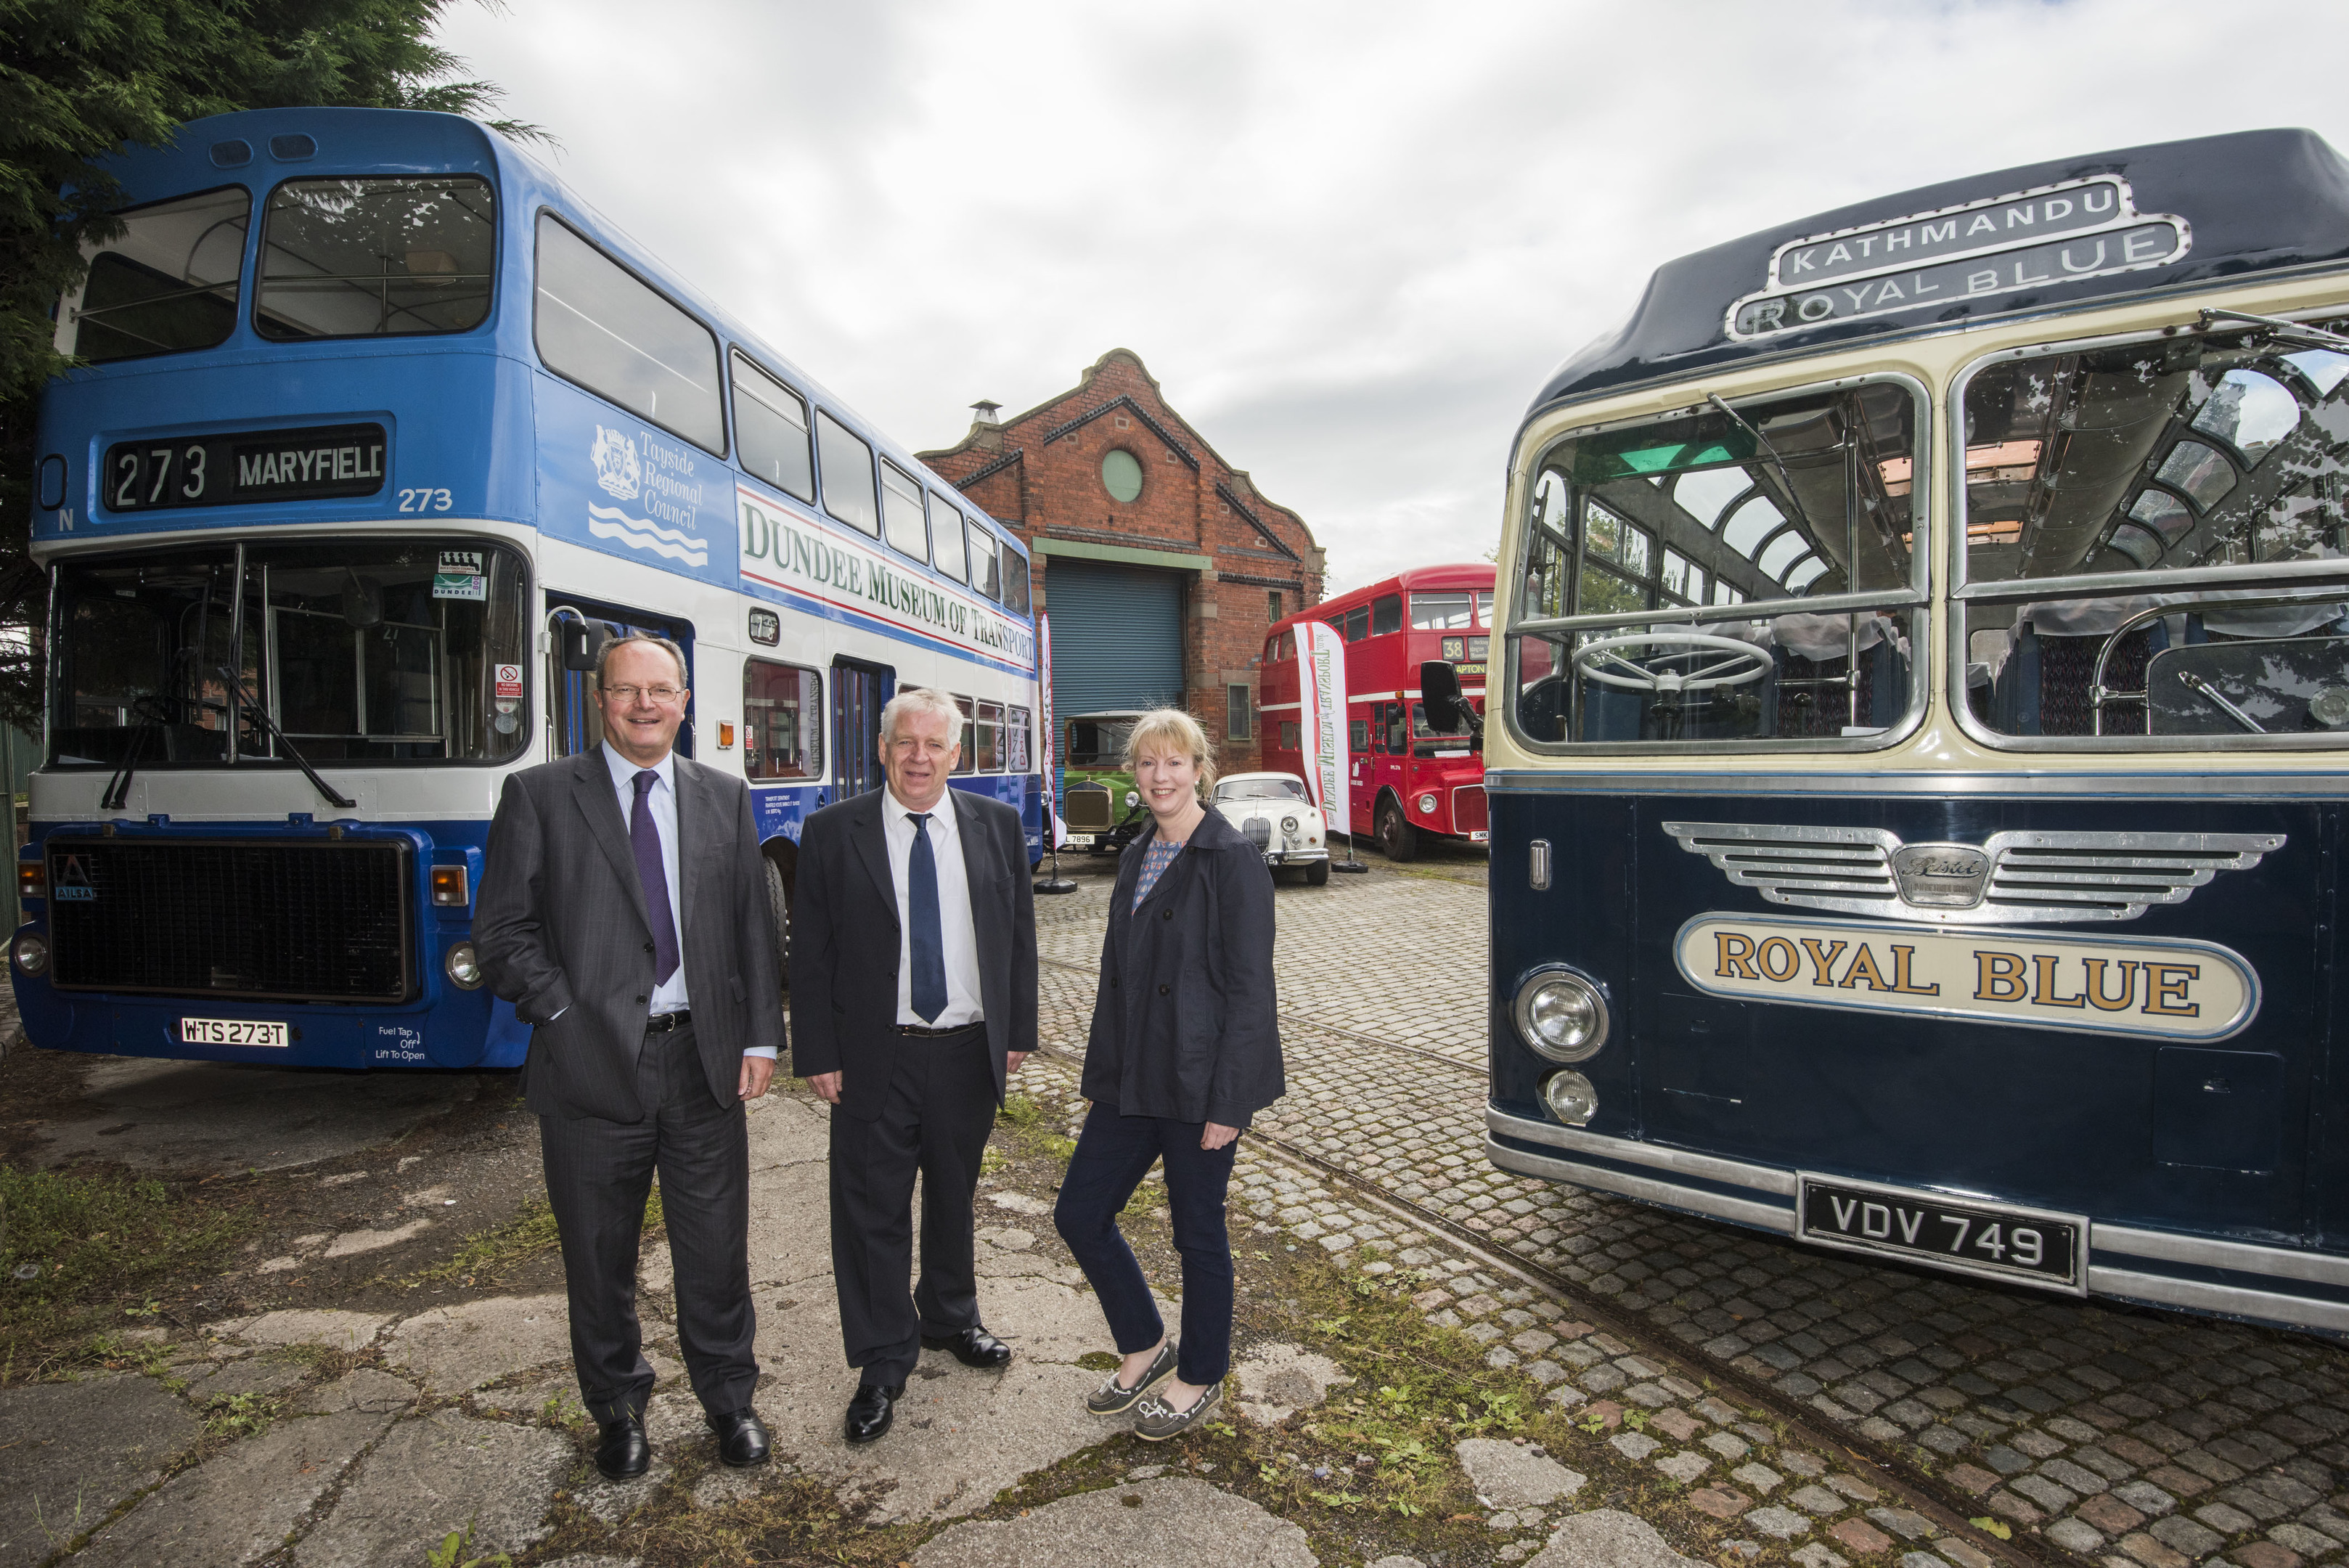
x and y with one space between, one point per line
1122 475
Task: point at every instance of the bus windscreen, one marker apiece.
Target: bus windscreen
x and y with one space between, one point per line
2190 465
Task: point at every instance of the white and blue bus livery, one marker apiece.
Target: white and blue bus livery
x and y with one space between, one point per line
382 431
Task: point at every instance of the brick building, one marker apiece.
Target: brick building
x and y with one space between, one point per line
1162 564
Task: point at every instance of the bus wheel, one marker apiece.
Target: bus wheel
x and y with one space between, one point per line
779 899
1398 838
1317 874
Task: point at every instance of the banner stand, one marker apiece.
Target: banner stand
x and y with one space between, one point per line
1321 665
1055 883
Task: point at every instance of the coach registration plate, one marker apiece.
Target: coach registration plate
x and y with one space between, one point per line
231 1032
2028 1246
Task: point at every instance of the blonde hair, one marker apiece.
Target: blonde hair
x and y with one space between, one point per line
1163 729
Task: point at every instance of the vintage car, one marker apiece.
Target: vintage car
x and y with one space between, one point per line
1278 818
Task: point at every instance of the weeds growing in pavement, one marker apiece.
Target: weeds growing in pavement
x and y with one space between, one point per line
487 1257
74 1247
238 1416
451 1553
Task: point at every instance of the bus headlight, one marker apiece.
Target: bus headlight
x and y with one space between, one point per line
1570 1097
1561 1015
32 954
464 966
1427 805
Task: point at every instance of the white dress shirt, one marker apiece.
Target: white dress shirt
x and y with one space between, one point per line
957 937
670 995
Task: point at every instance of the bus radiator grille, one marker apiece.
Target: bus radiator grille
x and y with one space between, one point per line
1469 811
304 921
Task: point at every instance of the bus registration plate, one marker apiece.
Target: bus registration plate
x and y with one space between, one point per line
231 1032
2028 1246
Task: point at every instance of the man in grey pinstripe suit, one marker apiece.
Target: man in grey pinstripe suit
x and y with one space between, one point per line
623 913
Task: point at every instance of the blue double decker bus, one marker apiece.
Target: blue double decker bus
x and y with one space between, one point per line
1919 737
381 432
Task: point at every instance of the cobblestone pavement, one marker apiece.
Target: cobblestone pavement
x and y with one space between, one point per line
2129 1436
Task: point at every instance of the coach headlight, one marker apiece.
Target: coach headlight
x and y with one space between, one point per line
1570 1097
1561 1015
465 966
32 954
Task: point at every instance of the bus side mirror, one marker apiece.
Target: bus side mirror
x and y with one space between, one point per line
581 641
1439 688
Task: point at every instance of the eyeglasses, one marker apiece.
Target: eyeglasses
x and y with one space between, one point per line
663 695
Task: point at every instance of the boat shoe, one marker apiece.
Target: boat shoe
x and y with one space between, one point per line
1159 1420
1114 1396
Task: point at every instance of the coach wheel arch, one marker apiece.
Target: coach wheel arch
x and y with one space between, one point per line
783 861
1397 838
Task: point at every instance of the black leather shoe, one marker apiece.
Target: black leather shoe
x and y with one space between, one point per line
624 1453
741 1437
973 1347
870 1413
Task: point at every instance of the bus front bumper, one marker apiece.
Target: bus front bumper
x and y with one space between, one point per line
2159 1268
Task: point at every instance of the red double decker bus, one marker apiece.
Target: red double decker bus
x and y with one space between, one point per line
1405 778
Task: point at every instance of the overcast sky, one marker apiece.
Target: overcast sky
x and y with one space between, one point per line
1350 241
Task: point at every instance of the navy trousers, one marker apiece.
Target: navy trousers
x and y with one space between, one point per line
1113 1153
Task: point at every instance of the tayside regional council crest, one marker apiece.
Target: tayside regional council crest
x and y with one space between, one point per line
617 469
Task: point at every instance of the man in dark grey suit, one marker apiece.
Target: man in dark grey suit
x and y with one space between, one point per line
913 995
624 912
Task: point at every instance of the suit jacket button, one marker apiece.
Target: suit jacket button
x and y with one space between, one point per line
640 999
1162 990
1165 914
649 947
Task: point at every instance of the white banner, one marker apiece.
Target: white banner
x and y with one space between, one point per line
1044 711
1321 709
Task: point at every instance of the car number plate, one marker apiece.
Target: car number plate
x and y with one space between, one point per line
231 1032
2029 1246
1479 837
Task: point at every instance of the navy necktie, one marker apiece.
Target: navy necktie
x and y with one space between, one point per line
928 942
644 837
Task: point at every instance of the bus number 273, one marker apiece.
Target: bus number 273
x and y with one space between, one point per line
426 501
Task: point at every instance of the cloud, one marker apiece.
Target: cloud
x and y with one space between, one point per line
1349 240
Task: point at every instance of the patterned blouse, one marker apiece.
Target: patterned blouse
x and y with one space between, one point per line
1156 858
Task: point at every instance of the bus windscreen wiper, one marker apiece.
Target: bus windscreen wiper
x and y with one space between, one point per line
118 788
238 700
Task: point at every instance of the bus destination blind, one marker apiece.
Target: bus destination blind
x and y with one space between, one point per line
244 467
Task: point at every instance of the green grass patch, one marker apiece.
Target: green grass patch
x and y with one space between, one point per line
1024 1132
83 1254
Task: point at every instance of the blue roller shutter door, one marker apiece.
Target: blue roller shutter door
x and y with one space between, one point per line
1117 636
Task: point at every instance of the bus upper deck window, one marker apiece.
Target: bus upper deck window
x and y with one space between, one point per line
1484 607
902 522
1440 612
2212 456
771 430
1358 623
1386 614
376 258
985 570
1784 499
601 326
945 540
847 474
1015 582
167 283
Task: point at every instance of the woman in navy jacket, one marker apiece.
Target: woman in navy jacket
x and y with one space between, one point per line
1185 1050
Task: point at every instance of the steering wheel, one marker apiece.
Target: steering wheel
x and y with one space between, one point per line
1739 663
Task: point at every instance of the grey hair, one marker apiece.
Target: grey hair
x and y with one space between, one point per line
613 645
921 700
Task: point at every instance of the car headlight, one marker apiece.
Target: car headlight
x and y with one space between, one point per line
464 966
1570 1097
1427 805
1288 825
32 954
1561 1015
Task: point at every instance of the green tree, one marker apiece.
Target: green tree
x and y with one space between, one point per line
81 80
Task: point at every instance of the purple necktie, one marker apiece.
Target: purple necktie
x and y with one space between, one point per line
644 838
